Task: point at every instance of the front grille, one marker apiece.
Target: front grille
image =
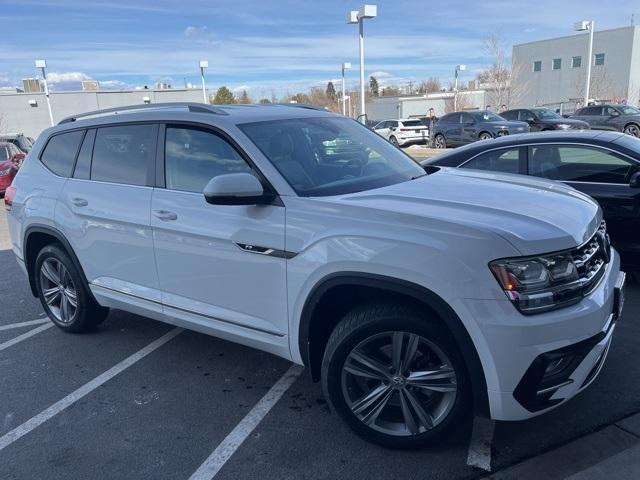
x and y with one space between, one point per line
592 258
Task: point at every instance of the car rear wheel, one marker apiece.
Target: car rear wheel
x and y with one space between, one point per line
394 141
440 141
485 136
395 376
62 292
632 129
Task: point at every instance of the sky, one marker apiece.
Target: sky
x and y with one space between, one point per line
272 47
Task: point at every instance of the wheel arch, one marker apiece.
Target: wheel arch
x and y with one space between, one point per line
487 132
37 237
358 282
637 124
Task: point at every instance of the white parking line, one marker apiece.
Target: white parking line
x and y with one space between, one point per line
239 434
481 442
34 422
23 324
24 336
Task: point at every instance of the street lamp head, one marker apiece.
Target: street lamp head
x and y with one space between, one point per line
346 66
204 63
41 64
582 25
352 16
368 11
461 68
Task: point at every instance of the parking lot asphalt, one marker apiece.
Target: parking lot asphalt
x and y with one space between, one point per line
162 414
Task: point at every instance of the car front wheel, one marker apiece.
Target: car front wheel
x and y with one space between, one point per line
62 292
485 136
395 376
394 141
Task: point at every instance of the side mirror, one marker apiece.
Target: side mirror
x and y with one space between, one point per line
236 189
615 113
530 120
634 181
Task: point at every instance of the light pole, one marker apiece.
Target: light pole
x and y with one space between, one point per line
459 68
345 66
348 99
581 27
204 64
42 64
358 16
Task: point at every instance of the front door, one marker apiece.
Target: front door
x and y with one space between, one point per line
220 266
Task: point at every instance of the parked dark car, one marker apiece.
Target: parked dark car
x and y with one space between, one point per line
543 119
10 160
619 118
604 165
21 141
460 128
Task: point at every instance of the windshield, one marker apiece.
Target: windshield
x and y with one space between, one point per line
627 110
487 117
330 156
545 114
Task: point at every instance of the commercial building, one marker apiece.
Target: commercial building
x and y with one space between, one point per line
409 106
553 72
27 112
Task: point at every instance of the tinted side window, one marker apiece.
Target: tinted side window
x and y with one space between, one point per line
466 118
193 157
123 154
83 164
510 115
608 111
578 164
60 153
4 154
505 160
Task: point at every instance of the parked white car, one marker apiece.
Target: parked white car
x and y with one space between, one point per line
417 297
403 132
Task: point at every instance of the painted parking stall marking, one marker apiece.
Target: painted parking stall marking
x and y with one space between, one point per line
25 336
84 390
30 323
481 443
239 434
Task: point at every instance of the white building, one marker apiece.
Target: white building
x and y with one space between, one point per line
553 71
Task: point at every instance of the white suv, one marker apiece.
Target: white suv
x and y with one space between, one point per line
416 297
406 131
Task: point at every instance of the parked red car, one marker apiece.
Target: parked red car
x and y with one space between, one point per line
10 160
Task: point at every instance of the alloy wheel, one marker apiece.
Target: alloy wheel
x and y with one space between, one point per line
394 141
399 383
440 142
633 130
485 136
58 290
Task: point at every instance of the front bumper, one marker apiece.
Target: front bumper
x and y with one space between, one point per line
515 350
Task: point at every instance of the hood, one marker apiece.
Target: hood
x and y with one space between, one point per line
534 216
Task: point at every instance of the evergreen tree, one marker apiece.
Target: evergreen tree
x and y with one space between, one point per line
373 86
331 92
224 96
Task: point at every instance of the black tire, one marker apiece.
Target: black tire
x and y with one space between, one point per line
632 129
377 320
485 136
87 314
394 141
439 141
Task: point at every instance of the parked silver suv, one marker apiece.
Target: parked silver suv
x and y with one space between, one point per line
417 297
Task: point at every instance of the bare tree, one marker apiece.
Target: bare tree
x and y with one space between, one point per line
502 81
601 87
431 85
452 104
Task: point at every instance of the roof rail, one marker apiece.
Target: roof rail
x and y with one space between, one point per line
304 105
192 107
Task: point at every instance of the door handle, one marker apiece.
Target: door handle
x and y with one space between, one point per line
79 202
165 215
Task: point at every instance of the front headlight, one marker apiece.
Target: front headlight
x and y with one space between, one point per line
539 284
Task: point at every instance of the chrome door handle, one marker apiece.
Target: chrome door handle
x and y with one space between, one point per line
79 202
165 215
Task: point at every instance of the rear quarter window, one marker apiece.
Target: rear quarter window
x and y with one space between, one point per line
60 153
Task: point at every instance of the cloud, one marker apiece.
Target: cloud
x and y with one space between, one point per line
192 31
65 77
380 74
240 88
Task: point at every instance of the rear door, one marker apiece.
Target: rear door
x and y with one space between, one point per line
449 125
593 116
604 175
221 266
468 128
105 207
